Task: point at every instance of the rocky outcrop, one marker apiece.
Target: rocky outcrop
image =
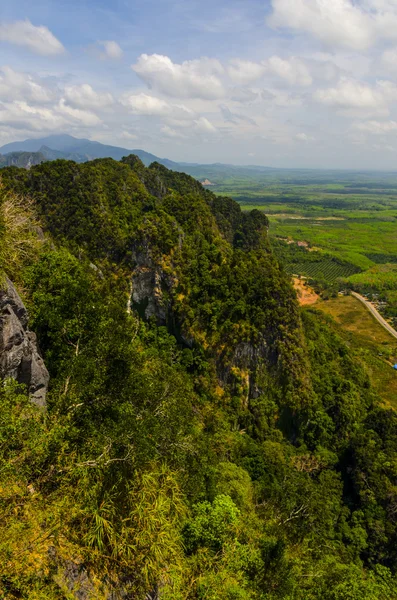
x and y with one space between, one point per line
150 286
147 294
19 354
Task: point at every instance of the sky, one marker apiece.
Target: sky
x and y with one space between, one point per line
282 83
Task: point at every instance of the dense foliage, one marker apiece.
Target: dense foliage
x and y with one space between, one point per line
219 446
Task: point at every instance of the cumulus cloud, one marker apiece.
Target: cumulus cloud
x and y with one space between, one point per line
84 96
111 50
191 79
143 104
38 39
280 98
352 94
83 117
338 22
292 70
21 86
245 71
21 115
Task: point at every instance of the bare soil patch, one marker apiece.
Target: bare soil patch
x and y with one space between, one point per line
306 295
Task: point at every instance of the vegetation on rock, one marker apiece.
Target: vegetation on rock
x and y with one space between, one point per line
204 438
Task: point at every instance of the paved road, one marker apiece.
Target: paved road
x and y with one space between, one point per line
375 313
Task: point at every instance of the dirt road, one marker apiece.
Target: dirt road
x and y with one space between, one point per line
375 313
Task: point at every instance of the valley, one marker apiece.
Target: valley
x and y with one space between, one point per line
335 234
335 228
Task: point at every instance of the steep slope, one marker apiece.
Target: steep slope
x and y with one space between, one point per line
184 271
203 437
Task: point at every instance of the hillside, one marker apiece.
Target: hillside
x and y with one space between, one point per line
201 437
21 159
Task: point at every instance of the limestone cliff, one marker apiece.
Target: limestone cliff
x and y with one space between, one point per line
19 354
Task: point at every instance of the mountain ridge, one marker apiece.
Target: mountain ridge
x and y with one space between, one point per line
203 436
67 147
82 148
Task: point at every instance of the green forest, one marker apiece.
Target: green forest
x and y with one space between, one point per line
204 438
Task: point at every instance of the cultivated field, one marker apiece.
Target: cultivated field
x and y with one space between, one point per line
371 343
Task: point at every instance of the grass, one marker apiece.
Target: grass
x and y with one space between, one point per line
383 276
348 239
368 339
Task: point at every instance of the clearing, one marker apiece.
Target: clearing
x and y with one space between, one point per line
306 295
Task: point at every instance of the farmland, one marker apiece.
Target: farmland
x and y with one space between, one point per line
371 344
336 231
336 228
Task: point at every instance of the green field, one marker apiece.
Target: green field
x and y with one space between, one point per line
337 228
372 344
326 269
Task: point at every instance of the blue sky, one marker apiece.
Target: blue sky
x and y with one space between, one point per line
305 83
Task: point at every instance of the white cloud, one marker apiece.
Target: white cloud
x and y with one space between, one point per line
349 94
304 137
245 71
292 70
389 59
38 39
111 50
377 127
191 79
245 95
20 86
21 115
338 22
352 94
126 135
143 104
83 117
172 133
83 96
204 125
279 98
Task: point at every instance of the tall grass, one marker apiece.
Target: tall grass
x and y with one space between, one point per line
19 233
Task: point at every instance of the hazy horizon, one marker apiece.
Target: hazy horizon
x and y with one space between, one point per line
285 84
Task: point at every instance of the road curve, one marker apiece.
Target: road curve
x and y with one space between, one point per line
375 313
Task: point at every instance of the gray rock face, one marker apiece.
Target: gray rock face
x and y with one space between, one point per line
19 355
147 292
148 285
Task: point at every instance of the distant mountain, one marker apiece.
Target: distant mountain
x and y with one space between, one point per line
22 159
80 150
51 154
